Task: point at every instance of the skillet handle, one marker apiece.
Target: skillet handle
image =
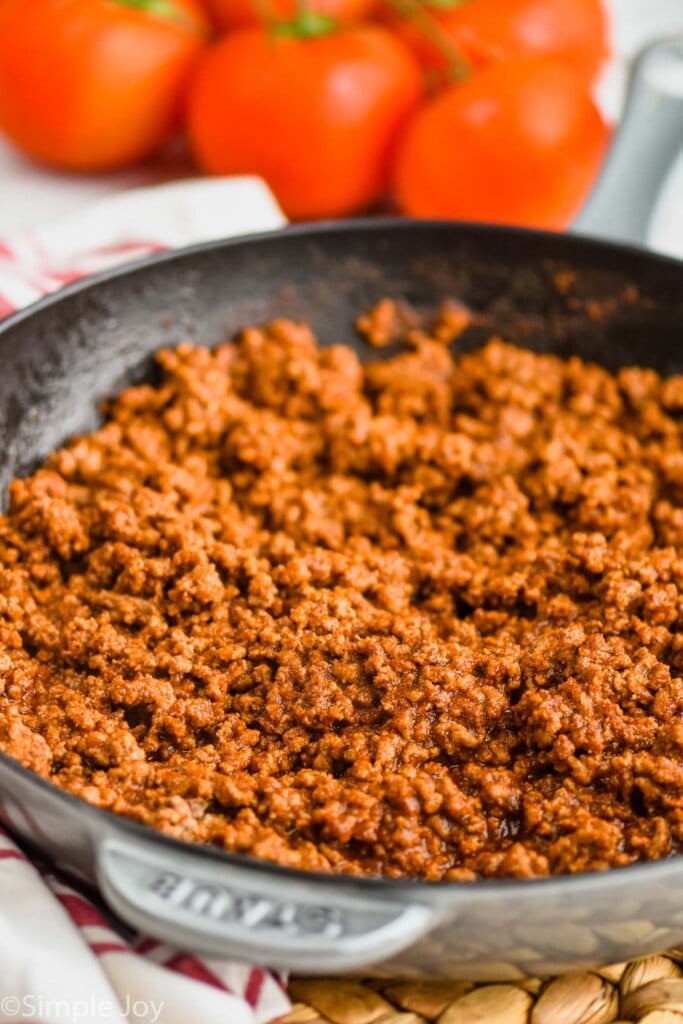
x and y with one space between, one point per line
254 915
643 151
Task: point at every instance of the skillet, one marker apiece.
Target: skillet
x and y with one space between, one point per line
609 303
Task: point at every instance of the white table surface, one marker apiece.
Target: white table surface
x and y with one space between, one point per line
31 195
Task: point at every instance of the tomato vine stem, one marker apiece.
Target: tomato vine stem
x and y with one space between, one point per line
417 14
306 24
162 8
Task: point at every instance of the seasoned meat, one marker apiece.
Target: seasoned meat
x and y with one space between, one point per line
417 617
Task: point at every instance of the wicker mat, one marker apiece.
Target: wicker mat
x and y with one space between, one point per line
649 991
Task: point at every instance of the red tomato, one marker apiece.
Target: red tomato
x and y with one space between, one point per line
575 32
238 13
94 84
519 143
316 117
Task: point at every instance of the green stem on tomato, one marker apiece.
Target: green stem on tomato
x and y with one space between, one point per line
417 14
167 10
164 8
306 24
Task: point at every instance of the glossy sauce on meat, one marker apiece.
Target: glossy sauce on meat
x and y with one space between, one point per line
417 617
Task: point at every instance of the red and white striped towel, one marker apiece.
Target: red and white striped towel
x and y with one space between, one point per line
127 226
64 959
64 962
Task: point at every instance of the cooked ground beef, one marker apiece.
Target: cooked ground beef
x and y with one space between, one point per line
418 617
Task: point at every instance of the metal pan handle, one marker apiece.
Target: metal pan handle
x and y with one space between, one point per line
643 151
242 914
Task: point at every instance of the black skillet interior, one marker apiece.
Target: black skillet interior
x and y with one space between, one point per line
615 305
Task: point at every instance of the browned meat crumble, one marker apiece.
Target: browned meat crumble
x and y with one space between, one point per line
418 617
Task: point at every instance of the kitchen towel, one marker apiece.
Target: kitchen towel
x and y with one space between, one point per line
63 958
128 226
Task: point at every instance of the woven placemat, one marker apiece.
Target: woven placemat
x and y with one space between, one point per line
649 991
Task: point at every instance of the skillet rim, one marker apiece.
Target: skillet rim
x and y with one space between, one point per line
148 836
362 225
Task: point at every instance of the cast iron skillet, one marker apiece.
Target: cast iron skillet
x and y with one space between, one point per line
619 306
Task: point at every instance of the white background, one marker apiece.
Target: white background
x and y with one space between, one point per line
30 195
